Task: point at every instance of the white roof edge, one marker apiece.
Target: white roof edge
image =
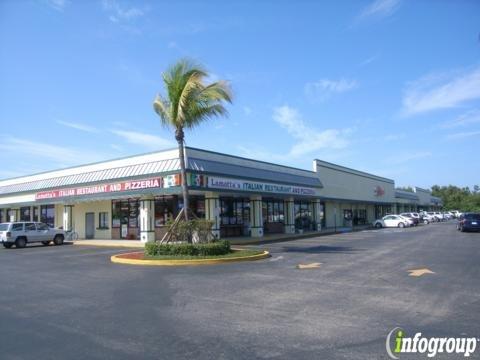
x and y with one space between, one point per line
104 165
242 161
345 169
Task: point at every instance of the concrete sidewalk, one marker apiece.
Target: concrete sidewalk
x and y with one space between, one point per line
269 238
110 243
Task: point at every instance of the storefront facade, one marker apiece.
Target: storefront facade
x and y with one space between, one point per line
136 197
352 197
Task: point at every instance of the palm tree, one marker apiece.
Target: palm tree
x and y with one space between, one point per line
188 102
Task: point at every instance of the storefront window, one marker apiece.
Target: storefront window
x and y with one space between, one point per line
10 214
233 211
273 211
133 213
165 210
2 212
25 213
360 217
197 205
234 217
382 210
303 215
47 215
125 212
323 214
103 220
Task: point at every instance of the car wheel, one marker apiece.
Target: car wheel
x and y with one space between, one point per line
7 245
401 225
425 222
58 240
378 225
46 243
21 242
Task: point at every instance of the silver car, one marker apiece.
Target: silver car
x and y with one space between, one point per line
23 232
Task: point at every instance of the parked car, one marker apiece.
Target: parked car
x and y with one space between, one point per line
426 218
435 216
456 213
448 215
22 233
409 221
415 219
469 222
391 221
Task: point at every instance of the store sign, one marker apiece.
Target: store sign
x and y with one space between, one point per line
102 189
245 185
172 180
379 191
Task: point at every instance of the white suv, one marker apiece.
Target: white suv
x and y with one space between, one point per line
21 233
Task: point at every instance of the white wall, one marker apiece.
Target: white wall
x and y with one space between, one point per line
343 183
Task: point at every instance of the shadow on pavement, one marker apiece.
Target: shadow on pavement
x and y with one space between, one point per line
322 249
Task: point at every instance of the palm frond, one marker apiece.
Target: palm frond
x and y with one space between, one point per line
162 108
188 100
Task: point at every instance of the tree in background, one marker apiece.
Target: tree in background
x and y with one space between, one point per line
455 198
188 102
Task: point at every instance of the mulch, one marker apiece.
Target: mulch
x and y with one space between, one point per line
134 256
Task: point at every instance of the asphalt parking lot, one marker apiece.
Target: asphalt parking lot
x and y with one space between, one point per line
70 302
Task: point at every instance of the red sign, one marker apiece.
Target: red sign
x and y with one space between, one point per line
101 189
379 191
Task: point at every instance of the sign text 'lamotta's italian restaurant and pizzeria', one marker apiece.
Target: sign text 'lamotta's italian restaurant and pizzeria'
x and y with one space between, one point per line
102 188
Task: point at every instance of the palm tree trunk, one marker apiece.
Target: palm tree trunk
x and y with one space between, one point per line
179 136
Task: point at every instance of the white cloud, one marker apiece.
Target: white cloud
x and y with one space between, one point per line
308 139
405 157
379 9
463 135
117 13
468 118
58 5
60 155
325 88
441 91
78 126
145 140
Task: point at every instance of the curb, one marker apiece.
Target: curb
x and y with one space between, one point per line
118 259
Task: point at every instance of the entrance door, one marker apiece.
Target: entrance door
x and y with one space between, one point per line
89 225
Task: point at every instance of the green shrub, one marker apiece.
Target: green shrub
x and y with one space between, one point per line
186 249
186 231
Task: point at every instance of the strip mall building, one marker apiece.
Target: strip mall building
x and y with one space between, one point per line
134 197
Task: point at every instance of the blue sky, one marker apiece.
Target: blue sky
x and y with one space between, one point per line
390 87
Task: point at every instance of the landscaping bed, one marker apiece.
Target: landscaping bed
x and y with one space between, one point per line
156 254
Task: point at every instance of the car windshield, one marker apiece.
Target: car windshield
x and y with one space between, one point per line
3 227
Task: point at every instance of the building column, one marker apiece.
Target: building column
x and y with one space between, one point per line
147 219
212 212
67 217
317 219
256 217
289 215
